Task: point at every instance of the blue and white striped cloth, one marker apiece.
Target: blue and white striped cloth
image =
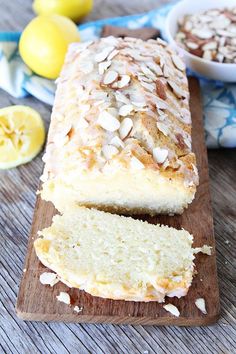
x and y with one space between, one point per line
219 98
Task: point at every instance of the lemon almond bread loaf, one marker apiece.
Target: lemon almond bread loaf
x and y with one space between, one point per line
117 257
120 133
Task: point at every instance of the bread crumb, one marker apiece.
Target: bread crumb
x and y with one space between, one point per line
204 249
172 309
226 242
78 309
48 278
201 305
64 297
24 270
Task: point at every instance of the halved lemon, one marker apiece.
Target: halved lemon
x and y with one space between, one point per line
22 135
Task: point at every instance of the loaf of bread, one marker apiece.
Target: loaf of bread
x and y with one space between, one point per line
117 257
120 133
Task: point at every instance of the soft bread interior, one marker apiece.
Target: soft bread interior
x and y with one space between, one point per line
117 257
123 192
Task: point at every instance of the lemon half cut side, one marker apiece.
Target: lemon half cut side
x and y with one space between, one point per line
22 135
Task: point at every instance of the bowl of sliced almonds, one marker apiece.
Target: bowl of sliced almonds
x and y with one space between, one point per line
204 33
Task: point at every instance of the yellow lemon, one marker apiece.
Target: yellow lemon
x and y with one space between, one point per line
22 135
44 42
74 9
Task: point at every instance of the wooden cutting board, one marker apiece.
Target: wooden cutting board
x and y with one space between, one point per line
37 302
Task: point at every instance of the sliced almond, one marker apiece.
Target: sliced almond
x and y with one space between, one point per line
178 62
159 154
64 297
177 89
125 110
108 122
121 97
147 72
101 56
110 77
210 46
172 309
136 164
207 54
202 33
78 309
192 45
117 142
163 128
86 67
109 151
155 68
48 278
161 89
201 305
103 66
112 54
125 127
147 86
166 71
124 81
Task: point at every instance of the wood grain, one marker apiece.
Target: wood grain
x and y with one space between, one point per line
17 199
38 303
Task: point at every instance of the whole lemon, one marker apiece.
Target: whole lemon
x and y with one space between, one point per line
44 42
74 9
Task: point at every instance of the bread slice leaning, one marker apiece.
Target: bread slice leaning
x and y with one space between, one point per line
117 257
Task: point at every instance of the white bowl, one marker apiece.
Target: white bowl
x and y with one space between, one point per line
213 70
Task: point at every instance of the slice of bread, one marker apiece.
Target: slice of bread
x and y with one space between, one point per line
117 257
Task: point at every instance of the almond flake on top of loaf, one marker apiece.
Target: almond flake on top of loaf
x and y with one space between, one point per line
116 83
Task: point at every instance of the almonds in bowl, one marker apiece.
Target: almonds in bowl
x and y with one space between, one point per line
204 33
210 34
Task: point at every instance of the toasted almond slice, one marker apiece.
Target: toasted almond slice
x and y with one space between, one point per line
192 45
117 142
202 33
159 154
163 128
121 98
208 55
108 122
109 151
78 309
86 67
201 305
147 86
110 77
125 127
161 89
166 71
209 46
103 66
160 104
48 278
136 164
64 297
172 309
177 89
147 72
155 68
124 81
178 62
103 54
125 110
113 54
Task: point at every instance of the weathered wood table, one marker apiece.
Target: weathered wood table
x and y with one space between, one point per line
17 198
